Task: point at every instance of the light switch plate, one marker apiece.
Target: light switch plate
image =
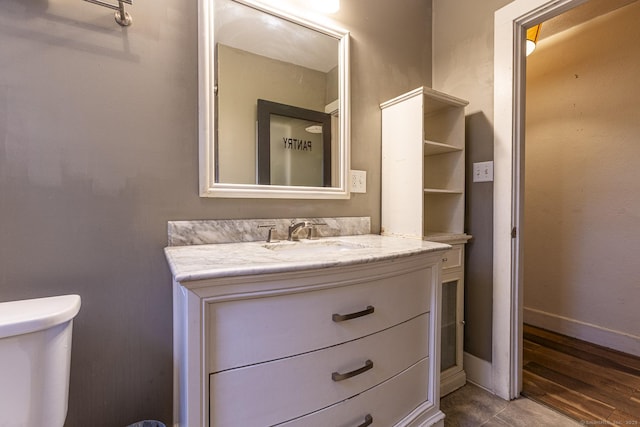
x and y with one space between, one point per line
358 181
483 172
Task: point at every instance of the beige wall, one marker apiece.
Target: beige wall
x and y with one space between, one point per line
243 78
98 150
463 67
582 194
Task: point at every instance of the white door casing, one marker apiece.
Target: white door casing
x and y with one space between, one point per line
509 59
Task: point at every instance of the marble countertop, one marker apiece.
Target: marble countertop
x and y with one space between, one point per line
197 262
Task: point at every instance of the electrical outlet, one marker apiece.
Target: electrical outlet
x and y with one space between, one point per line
358 181
483 172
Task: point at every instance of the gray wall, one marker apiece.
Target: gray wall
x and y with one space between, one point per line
463 67
98 150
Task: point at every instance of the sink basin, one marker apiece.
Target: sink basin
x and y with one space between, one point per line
313 246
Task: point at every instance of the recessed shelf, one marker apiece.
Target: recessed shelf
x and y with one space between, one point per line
432 148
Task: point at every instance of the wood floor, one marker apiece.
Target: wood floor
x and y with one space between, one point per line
586 382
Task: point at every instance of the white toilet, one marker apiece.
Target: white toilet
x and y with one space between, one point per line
35 357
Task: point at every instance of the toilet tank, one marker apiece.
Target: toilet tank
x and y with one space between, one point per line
35 357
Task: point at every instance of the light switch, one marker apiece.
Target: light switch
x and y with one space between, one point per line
483 171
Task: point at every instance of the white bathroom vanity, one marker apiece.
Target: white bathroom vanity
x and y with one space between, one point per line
337 331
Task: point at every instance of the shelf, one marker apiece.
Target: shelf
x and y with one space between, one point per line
441 236
423 138
432 148
441 191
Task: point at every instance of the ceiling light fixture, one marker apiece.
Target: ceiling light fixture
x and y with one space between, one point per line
532 38
314 129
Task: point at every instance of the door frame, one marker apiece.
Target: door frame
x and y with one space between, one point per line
510 24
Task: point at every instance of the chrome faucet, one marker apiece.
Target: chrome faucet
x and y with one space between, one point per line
294 227
272 228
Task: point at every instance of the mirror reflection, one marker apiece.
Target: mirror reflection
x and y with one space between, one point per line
294 145
275 59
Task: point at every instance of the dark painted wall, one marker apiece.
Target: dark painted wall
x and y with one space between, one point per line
463 66
478 291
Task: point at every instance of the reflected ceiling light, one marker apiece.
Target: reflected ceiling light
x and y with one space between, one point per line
314 129
532 38
322 6
326 6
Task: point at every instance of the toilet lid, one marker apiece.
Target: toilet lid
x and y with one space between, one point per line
32 315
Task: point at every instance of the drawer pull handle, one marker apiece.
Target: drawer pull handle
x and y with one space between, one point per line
336 376
368 420
342 317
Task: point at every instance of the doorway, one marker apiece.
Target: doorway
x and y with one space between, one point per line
579 271
510 23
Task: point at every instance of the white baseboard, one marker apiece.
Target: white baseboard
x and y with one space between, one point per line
479 371
452 382
595 334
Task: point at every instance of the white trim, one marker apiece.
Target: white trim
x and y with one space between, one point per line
478 371
432 93
452 382
333 107
509 25
595 334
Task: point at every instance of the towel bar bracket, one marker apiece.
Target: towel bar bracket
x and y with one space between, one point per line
122 17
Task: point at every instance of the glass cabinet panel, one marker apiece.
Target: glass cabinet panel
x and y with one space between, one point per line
449 325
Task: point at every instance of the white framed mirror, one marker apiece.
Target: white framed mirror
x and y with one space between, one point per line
253 54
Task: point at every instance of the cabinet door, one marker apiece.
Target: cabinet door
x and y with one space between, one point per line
452 330
449 332
452 334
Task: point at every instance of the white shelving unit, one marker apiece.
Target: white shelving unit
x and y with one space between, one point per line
423 177
423 164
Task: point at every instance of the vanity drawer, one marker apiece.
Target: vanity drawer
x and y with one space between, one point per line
452 258
386 404
257 330
284 389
